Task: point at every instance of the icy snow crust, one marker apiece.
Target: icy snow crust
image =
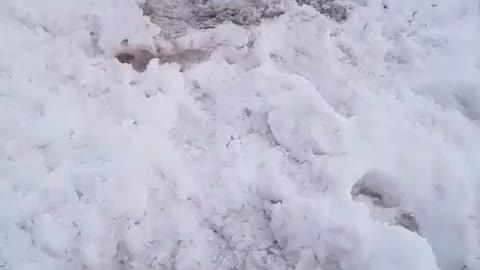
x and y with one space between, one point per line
247 160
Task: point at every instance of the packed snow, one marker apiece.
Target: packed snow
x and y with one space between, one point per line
307 139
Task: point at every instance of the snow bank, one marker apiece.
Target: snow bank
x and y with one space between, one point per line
251 159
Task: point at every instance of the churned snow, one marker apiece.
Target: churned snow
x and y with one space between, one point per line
300 143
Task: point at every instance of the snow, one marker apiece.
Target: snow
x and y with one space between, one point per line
251 159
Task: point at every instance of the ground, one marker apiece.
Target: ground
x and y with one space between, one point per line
306 140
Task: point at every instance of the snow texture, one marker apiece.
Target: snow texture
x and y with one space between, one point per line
301 142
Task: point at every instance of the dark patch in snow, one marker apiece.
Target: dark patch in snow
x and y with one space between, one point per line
330 8
79 194
176 17
140 57
379 187
408 221
276 201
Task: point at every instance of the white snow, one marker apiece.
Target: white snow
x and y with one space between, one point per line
246 160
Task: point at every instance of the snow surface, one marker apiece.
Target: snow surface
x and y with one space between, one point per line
247 160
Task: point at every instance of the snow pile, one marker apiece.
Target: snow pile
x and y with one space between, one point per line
301 143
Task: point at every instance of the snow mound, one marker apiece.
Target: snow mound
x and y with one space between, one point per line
298 143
